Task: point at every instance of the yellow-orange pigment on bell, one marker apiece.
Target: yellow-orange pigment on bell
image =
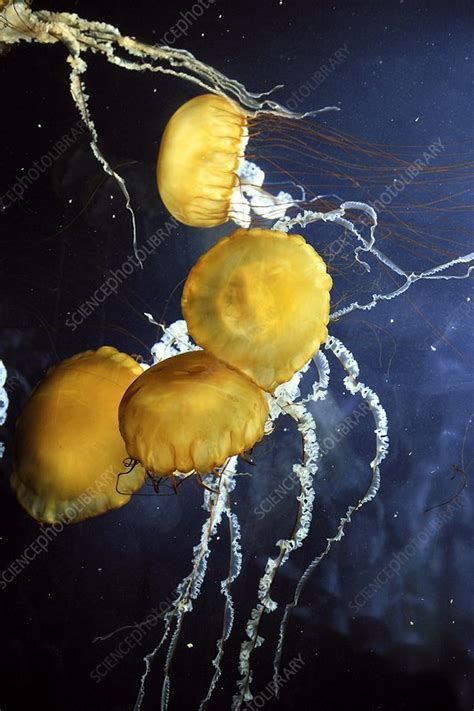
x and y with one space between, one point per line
68 448
191 412
199 154
259 300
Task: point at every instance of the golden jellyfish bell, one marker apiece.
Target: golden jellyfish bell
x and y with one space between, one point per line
200 151
68 448
259 300
191 412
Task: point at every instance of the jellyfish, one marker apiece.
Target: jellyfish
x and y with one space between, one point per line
191 412
244 198
197 179
68 448
259 300
203 175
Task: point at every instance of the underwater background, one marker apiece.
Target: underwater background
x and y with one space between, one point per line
387 618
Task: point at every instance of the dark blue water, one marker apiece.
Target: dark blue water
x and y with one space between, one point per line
387 619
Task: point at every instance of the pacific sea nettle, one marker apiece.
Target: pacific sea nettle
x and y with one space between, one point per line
203 175
259 300
199 155
191 412
68 451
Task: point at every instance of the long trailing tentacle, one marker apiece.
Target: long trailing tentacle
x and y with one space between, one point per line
354 386
80 97
434 273
190 587
235 567
24 24
367 245
305 472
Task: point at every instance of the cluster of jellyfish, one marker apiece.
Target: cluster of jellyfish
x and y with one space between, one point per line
256 311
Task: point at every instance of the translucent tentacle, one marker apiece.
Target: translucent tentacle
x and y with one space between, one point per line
24 24
190 587
78 68
368 245
354 386
305 218
235 566
304 472
434 273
